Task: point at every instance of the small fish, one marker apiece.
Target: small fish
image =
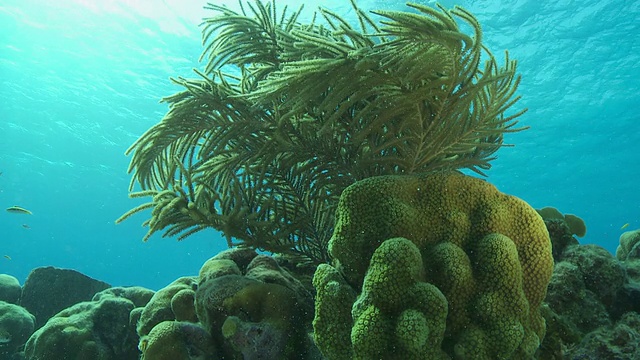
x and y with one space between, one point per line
624 226
18 210
7 257
26 226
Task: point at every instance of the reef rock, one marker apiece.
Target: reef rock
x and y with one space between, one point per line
49 290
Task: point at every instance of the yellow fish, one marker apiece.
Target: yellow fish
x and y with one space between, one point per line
624 226
18 210
7 257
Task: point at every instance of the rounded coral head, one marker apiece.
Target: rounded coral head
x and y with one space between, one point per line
434 209
487 253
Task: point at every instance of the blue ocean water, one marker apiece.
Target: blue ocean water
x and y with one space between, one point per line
81 80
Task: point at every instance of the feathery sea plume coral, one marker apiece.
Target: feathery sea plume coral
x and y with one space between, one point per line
287 114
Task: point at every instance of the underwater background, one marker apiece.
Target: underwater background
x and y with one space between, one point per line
82 80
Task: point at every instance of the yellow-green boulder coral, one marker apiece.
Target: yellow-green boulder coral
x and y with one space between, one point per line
418 249
629 241
177 340
173 302
398 314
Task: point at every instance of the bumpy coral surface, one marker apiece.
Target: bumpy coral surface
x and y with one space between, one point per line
486 262
88 330
10 289
241 306
629 248
629 252
177 340
593 303
16 325
252 307
409 315
620 341
173 302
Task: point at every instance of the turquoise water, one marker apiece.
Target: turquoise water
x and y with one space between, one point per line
81 80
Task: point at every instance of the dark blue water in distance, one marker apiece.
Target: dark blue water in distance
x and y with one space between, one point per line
81 80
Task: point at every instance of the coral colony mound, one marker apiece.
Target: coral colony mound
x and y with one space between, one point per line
328 154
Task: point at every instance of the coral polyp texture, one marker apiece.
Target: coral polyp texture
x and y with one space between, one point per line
241 306
432 266
287 114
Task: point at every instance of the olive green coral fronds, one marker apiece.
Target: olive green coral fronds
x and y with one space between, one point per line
287 114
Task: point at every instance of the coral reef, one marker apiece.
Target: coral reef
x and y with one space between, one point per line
486 258
243 305
414 301
334 144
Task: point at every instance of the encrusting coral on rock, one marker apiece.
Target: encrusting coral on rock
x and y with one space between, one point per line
88 330
629 248
177 340
242 305
100 327
16 326
592 306
173 302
